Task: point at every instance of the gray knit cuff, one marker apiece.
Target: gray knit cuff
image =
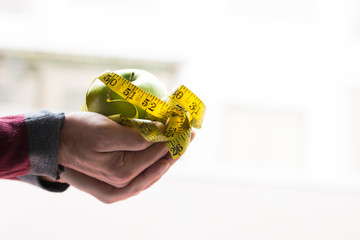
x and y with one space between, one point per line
43 130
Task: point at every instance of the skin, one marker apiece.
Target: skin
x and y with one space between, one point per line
107 160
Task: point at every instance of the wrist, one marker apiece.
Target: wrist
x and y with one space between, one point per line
43 131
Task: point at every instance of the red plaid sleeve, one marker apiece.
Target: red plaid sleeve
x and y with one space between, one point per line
14 150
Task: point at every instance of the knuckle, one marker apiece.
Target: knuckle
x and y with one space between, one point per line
117 178
140 142
117 172
106 200
123 178
111 198
143 144
108 195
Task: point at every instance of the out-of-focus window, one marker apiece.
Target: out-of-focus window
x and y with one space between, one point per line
33 80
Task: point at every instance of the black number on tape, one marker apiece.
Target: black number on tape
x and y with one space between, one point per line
132 95
145 102
127 91
193 106
152 106
179 94
109 80
177 149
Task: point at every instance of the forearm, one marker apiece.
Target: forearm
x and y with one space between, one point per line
29 148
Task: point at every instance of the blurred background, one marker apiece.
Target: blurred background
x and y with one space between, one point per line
278 156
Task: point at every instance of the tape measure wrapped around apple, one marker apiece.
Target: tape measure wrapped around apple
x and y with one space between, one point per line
134 97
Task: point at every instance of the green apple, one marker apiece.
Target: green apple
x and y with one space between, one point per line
98 94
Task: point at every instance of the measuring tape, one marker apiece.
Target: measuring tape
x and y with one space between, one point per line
181 111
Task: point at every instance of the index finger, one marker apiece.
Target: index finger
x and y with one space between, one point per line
116 137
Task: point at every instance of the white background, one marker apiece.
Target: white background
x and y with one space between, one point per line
278 156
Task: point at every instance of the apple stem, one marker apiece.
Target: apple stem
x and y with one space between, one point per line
131 77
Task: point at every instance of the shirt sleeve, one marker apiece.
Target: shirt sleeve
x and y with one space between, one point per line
29 146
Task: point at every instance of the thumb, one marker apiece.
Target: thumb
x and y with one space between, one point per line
116 137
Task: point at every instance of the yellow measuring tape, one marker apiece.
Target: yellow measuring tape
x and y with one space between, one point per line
181 111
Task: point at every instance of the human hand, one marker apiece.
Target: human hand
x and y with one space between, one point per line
107 160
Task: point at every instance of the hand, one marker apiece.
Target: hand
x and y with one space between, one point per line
107 160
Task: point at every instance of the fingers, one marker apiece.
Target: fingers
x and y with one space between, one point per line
110 194
156 171
121 138
116 137
170 161
128 165
105 135
101 134
119 168
125 166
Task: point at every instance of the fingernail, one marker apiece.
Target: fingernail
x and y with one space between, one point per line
160 126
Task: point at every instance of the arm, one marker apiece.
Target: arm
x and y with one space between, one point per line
29 148
107 160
